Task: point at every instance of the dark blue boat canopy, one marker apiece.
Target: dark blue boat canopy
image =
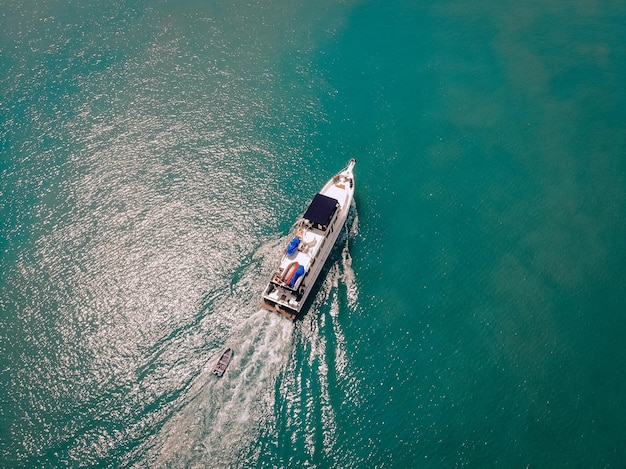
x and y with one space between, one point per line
321 211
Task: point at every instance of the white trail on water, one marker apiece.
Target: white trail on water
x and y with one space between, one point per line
222 415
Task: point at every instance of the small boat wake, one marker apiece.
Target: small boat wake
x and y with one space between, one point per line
219 419
221 416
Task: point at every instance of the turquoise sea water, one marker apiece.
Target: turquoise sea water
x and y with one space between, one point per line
154 156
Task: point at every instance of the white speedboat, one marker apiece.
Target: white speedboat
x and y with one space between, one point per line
315 235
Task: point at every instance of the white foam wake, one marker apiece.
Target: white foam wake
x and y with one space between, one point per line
308 388
221 416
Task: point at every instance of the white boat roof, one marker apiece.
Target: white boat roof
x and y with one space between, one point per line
337 193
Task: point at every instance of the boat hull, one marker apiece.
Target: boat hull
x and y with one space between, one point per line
223 362
313 239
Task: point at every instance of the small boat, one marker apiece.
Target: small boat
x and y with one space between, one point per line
314 236
220 368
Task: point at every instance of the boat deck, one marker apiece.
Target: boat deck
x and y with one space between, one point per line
305 254
292 280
